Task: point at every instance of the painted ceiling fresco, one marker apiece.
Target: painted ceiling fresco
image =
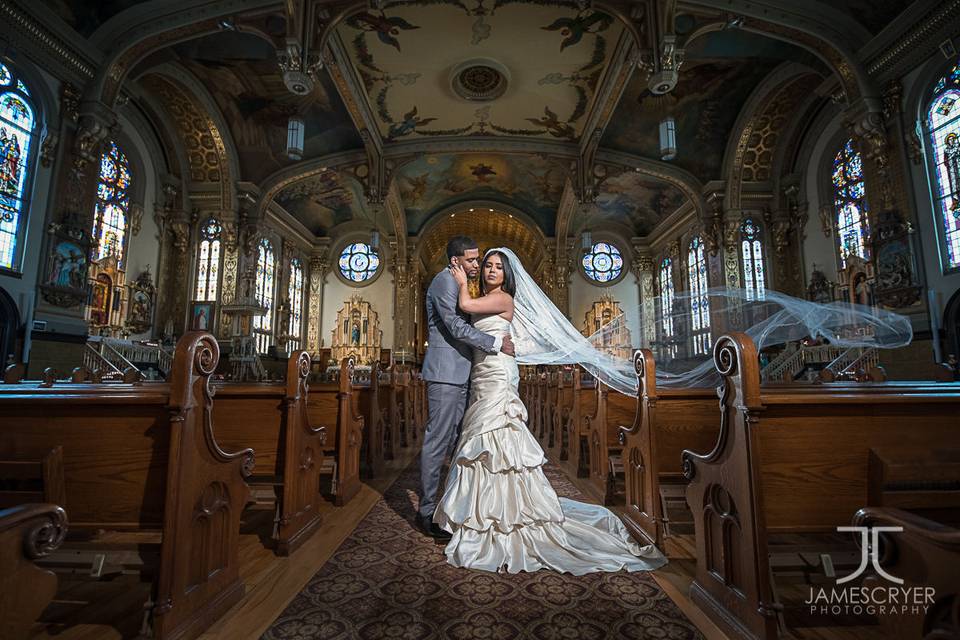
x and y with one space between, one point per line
86 16
324 201
433 182
634 199
241 73
721 71
406 55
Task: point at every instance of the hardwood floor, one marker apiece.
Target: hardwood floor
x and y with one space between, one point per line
271 582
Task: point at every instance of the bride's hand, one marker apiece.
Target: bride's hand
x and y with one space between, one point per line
459 275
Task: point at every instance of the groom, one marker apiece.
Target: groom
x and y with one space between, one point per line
446 369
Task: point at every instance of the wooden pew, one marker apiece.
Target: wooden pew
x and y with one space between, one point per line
789 461
547 438
612 411
578 424
667 421
334 406
563 402
398 402
372 409
926 556
387 397
27 532
409 407
145 458
396 408
272 419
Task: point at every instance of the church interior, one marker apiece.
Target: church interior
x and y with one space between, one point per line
218 223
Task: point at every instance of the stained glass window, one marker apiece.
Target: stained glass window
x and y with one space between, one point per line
699 300
665 284
263 325
943 129
295 293
358 262
18 127
751 249
603 263
113 204
850 203
208 261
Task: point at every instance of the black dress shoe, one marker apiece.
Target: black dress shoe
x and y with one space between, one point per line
432 529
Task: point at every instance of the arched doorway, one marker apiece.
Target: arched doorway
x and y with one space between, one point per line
9 325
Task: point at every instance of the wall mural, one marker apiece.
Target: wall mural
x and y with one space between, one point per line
635 199
323 201
533 185
406 56
705 103
242 74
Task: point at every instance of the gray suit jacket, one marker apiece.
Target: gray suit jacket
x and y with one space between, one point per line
450 336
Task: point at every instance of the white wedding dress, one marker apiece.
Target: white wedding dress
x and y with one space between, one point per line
499 505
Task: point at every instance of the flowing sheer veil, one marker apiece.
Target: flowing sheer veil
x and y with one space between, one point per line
542 334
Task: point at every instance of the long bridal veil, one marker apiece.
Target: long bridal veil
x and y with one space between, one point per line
682 332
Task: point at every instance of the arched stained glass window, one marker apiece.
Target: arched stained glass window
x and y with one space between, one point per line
699 300
665 285
943 131
751 250
208 261
359 262
266 271
113 204
603 263
18 128
295 293
850 203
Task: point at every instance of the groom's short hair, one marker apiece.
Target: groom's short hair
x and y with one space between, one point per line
458 245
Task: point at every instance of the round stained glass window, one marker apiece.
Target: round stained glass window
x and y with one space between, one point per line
359 262
603 262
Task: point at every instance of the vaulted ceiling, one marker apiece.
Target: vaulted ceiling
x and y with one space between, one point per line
448 103
543 60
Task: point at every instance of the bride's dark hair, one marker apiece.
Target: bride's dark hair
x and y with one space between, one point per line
509 280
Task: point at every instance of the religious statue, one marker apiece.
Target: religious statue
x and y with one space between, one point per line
951 159
285 314
357 332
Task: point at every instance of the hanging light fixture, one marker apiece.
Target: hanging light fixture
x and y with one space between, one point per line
295 130
668 138
375 232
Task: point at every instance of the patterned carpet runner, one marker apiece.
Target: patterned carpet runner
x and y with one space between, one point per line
388 580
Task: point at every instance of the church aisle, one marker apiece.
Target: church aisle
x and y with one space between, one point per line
388 580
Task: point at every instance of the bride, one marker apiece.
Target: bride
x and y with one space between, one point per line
498 504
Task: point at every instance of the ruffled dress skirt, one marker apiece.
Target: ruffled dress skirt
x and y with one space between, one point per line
501 509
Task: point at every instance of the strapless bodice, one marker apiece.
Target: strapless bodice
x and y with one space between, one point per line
493 324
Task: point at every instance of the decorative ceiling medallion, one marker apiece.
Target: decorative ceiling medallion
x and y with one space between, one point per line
479 80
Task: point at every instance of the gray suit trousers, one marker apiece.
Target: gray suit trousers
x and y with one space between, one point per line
447 403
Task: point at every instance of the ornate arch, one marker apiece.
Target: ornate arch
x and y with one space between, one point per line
206 151
751 151
135 33
506 224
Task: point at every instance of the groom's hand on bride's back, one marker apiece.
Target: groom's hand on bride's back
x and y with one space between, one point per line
507 346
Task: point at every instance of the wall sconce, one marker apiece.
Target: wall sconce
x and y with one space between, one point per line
295 130
668 138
